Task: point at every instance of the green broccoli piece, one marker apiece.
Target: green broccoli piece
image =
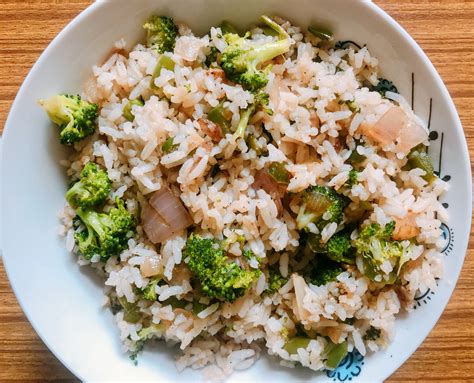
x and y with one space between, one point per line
261 100
375 246
218 276
384 86
105 234
161 33
325 271
353 178
152 331
339 247
372 333
149 292
241 58
320 205
91 190
74 116
212 56
275 280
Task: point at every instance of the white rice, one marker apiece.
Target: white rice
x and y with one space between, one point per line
306 127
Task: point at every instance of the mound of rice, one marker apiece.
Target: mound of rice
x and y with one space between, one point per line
314 134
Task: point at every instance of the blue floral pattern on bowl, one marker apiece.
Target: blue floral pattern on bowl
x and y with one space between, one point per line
350 367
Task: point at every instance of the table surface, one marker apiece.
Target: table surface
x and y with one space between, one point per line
444 29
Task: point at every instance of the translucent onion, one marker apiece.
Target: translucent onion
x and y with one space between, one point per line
164 216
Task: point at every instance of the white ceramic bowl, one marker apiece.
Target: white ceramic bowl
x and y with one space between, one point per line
64 304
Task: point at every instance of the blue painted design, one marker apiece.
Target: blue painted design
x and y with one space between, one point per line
448 236
350 367
424 297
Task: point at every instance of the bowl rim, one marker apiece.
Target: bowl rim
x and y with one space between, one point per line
380 12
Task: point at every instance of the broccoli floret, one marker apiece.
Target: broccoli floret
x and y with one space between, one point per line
375 246
353 178
241 58
212 56
339 247
275 280
106 234
218 276
149 292
261 100
384 86
74 116
91 190
325 271
161 33
321 205
372 333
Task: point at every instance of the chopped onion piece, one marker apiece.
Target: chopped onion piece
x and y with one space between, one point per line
151 266
164 216
396 128
171 209
154 226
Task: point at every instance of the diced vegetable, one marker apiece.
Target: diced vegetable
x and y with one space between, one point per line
218 116
218 276
321 33
373 333
241 59
264 181
175 303
168 146
384 86
395 128
406 227
198 307
127 109
161 33
335 353
131 310
164 62
254 144
325 271
151 267
211 129
164 216
422 160
228 27
356 158
279 173
293 344
320 205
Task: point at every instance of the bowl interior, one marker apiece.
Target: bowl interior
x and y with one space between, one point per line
63 301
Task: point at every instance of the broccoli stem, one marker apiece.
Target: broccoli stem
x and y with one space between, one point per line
276 27
95 221
268 51
304 218
244 121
